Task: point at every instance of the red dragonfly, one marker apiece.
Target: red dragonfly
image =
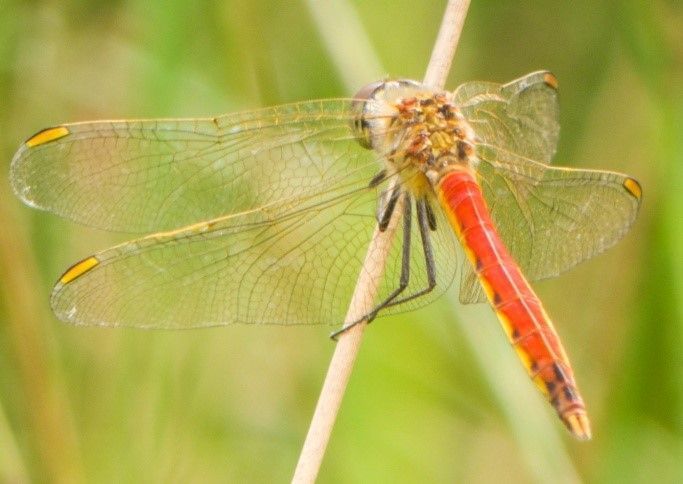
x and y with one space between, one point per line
265 216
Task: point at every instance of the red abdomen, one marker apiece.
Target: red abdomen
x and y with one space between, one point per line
520 311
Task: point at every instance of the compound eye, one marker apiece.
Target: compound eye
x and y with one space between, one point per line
361 127
366 92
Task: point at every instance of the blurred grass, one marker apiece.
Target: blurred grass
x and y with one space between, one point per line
437 395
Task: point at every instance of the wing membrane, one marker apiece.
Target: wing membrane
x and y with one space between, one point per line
151 175
549 218
521 116
283 265
290 211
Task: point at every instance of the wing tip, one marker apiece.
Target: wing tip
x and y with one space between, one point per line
532 79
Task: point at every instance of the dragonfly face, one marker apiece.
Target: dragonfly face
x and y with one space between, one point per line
265 216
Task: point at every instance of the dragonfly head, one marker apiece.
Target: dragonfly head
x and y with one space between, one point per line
416 128
374 107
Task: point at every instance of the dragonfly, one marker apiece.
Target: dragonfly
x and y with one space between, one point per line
264 217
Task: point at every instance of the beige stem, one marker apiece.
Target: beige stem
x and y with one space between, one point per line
365 293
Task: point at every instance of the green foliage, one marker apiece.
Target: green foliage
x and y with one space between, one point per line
437 395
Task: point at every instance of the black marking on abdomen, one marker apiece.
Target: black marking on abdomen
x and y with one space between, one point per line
559 372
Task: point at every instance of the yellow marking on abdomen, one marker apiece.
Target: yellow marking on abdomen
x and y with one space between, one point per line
47 135
78 269
633 187
526 359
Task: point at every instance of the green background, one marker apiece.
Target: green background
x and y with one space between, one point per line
437 395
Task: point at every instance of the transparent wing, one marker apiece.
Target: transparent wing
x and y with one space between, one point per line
550 219
521 116
151 175
280 265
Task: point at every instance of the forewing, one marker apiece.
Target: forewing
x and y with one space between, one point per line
521 116
550 219
151 175
281 265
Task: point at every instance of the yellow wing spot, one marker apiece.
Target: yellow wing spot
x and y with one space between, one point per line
47 135
78 269
550 80
633 187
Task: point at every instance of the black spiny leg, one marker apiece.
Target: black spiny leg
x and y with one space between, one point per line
431 219
378 178
386 210
405 258
426 221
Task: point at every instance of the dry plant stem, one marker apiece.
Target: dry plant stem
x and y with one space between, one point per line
345 353
446 42
364 295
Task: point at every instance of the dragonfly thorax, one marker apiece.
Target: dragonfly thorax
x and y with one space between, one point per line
419 131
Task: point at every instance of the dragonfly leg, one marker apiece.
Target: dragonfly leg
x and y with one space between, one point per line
405 262
378 178
431 219
425 223
386 207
